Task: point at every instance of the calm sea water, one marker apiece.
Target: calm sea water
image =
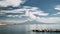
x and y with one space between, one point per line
20 29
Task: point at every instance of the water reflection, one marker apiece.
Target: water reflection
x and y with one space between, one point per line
20 29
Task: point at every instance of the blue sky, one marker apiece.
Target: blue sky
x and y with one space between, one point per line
45 5
47 11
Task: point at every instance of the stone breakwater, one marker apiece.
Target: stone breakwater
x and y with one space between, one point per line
44 27
46 30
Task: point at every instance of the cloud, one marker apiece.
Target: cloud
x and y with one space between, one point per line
13 21
24 9
27 9
48 19
57 7
58 13
12 11
14 3
29 12
40 13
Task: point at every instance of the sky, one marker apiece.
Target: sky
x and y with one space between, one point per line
20 11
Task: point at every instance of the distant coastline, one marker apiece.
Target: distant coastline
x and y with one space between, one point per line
2 23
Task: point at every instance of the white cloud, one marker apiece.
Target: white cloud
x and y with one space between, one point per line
58 13
34 10
40 13
14 3
49 19
29 12
13 21
12 11
57 7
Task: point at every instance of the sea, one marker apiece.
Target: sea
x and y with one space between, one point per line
20 29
